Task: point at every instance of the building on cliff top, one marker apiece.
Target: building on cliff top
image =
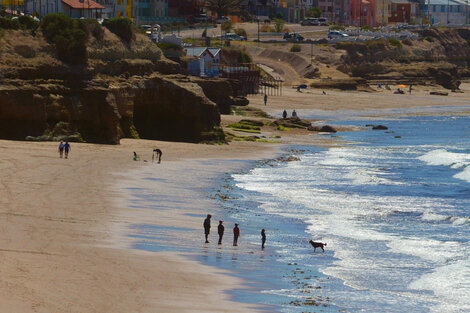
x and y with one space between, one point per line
203 62
72 8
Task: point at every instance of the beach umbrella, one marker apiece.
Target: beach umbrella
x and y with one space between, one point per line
401 86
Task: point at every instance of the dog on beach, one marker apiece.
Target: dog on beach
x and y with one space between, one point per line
316 245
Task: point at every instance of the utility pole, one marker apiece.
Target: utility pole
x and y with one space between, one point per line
448 9
466 12
383 12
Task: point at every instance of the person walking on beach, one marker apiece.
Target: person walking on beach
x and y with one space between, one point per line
284 114
220 230
411 88
294 114
236 234
157 153
265 99
61 148
67 149
263 238
207 226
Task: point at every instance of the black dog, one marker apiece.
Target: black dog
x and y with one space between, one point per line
316 245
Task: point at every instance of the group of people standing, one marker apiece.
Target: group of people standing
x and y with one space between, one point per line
64 148
221 230
284 114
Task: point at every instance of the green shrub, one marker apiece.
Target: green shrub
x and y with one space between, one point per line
121 27
27 22
279 25
394 42
92 28
7 23
68 36
429 39
241 32
226 26
295 48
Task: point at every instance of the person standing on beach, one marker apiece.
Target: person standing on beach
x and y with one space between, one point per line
236 234
61 148
263 238
158 153
294 114
67 149
265 99
207 226
220 230
411 88
284 114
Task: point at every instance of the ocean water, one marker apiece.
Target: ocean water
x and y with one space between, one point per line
393 207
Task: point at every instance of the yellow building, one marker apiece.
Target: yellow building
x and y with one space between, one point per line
382 11
11 3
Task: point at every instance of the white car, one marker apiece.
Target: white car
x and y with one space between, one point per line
337 34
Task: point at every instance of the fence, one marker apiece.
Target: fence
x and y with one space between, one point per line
251 81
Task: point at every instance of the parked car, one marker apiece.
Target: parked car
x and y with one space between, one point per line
232 36
293 37
309 21
322 21
337 34
223 19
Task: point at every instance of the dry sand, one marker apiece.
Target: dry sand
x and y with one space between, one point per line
63 223
59 247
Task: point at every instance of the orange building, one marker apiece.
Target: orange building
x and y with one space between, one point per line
363 13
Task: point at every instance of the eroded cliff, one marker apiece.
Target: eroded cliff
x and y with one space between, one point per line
125 90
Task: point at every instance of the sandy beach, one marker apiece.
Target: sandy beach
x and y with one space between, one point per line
63 222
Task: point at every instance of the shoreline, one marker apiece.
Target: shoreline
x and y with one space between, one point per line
59 219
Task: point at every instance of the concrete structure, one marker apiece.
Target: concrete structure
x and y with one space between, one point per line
204 61
445 12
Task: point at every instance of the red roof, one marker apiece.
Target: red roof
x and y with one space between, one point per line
85 4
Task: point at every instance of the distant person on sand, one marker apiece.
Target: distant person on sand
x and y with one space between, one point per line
136 157
236 234
67 149
324 92
220 230
411 87
207 226
263 238
157 153
284 114
265 99
294 114
61 148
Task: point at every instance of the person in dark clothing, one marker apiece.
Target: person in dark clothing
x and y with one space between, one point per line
411 88
207 226
263 238
157 153
284 114
67 148
236 234
265 99
220 230
61 148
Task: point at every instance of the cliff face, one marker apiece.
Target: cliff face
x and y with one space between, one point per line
124 91
441 55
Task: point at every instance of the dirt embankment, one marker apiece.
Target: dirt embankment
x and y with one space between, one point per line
439 56
124 90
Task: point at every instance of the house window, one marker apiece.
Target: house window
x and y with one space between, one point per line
434 8
451 8
443 8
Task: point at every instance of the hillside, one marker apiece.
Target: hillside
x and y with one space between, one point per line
122 89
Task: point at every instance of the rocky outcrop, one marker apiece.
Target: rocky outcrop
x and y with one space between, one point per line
440 56
124 91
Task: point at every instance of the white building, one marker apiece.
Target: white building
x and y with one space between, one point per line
443 12
204 61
